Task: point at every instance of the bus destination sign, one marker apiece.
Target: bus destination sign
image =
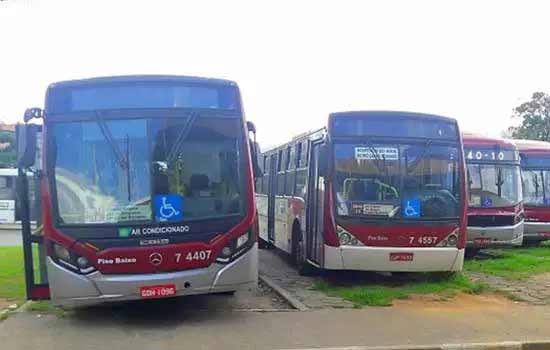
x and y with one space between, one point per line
491 154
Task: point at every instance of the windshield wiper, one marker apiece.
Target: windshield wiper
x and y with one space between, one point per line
122 160
181 137
427 147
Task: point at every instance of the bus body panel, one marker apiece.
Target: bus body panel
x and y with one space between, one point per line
314 210
535 157
381 259
71 289
117 280
489 225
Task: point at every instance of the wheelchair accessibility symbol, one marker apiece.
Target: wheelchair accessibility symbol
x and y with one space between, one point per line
411 209
168 207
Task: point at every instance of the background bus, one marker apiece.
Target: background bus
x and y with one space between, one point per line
380 191
535 165
147 190
495 209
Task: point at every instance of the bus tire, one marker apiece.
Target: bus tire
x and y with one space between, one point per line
262 244
471 252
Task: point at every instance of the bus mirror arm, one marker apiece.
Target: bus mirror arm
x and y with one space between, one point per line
323 160
26 136
254 150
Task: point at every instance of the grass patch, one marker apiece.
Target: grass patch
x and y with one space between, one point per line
513 263
383 294
12 274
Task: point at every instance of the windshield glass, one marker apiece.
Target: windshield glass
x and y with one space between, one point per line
147 170
536 187
408 181
494 185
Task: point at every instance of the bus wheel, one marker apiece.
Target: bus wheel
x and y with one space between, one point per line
262 244
471 252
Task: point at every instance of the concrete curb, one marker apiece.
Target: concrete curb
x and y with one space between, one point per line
506 345
294 302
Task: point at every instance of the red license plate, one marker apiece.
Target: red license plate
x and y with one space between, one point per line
401 256
482 241
161 291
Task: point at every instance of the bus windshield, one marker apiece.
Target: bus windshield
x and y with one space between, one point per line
397 180
536 187
147 170
493 186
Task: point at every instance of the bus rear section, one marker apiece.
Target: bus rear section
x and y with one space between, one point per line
495 207
147 191
535 166
385 191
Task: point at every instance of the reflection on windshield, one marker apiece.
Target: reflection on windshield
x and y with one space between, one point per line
397 180
536 187
494 185
201 180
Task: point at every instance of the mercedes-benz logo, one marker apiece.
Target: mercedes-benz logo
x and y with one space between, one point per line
155 259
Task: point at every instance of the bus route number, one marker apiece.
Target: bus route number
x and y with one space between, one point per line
478 155
423 240
198 255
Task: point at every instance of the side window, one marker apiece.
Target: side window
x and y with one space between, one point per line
305 149
265 182
283 157
291 158
298 155
300 188
280 161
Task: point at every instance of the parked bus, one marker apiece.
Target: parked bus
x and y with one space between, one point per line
375 190
495 208
535 166
147 190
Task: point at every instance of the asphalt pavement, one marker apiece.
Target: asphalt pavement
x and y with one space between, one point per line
10 237
170 324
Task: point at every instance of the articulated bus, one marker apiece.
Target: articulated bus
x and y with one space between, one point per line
495 208
375 190
146 189
535 166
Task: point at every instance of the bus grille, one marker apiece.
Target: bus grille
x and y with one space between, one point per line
490 220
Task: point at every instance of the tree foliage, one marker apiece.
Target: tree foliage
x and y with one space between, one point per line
7 152
535 118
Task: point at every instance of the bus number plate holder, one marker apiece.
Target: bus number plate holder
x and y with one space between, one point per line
400 256
160 291
482 241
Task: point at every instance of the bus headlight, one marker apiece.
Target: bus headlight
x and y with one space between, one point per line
450 241
70 260
236 247
347 238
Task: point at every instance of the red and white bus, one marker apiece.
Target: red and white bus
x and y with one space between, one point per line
147 190
535 166
495 207
375 190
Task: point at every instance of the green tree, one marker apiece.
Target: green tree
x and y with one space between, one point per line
535 118
7 153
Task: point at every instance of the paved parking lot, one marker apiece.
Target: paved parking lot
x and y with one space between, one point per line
10 237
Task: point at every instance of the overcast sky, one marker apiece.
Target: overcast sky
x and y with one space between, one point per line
295 61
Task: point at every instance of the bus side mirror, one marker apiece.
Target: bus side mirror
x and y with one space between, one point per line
31 113
254 150
26 136
323 160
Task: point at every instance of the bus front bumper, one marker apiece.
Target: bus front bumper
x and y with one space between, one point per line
430 259
480 237
536 231
73 290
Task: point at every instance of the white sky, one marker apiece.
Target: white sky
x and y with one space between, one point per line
295 61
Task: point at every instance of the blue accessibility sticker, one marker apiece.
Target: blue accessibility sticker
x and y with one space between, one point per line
487 202
168 207
411 208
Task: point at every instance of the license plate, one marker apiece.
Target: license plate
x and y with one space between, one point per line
401 256
482 241
161 291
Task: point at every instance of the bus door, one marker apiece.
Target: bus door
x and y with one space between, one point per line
34 256
314 211
271 193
